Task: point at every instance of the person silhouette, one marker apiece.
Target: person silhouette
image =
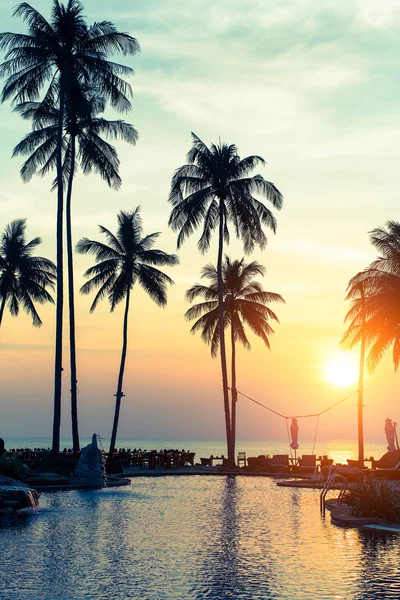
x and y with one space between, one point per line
2 446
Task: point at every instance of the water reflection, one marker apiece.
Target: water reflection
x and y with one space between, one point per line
379 557
225 571
220 574
192 538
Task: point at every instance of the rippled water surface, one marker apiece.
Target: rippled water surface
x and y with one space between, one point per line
192 537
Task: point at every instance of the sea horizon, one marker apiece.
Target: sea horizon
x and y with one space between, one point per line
338 449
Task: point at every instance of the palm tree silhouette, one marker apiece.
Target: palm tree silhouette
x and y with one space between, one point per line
381 285
356 319
24 278
93 153
65 54
127 259
244 303
215 189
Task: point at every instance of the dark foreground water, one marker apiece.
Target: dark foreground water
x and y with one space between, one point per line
192 537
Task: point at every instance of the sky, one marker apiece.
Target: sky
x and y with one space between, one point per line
311 87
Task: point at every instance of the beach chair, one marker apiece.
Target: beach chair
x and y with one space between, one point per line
190 458
308 463
387 467
279 463
241 458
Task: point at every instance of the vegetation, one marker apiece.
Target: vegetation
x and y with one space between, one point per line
215 189
71 58
244 303
373 498
24 279
127 259
356 318
12 466
59 77
381 285
84 147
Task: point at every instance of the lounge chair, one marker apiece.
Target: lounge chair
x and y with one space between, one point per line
387 467
390 460
308 464
259 463
279 463
241 458
190 458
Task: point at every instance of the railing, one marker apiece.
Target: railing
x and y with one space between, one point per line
318 473
326 487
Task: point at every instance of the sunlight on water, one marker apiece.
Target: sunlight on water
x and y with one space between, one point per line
339 450
192 538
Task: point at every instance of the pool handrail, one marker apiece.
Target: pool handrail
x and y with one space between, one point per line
326 487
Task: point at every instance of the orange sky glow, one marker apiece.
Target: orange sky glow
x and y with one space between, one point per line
328 132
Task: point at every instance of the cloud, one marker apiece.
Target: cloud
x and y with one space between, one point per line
320 253
379 14
334 76
375 142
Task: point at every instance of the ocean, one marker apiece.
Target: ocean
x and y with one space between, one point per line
339 450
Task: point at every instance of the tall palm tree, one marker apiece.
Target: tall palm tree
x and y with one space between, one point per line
84 147
381 285
356 319
65 53
244 303
215 189
24 278
127 259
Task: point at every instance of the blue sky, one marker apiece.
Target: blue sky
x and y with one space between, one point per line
310 86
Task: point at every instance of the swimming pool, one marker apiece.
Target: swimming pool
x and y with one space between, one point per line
192 538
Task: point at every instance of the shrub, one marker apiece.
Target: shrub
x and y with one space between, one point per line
113 467
12 466
62 465
373 498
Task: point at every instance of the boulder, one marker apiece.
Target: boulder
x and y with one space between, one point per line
8 481
16 497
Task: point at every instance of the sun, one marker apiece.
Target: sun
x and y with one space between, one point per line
341 369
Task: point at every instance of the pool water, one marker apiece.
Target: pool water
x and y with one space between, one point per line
192 538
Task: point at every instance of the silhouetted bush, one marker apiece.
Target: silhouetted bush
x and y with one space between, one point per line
12 466
373 498
63 465
113 467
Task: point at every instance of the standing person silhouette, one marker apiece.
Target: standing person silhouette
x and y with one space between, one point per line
2 448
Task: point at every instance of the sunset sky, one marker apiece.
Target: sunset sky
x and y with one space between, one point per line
311 87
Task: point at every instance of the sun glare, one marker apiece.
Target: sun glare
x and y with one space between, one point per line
341 369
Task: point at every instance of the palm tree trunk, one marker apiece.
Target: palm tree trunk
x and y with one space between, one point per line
234 392
119 393
231 458
59 286
361 386
72 355
3 304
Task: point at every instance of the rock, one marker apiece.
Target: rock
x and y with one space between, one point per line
8 481
38 479
17 497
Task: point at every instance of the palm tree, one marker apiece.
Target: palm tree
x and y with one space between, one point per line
374 316
24 278
127 259
83 144
244 303
381 284
66 54
356 319
215 188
